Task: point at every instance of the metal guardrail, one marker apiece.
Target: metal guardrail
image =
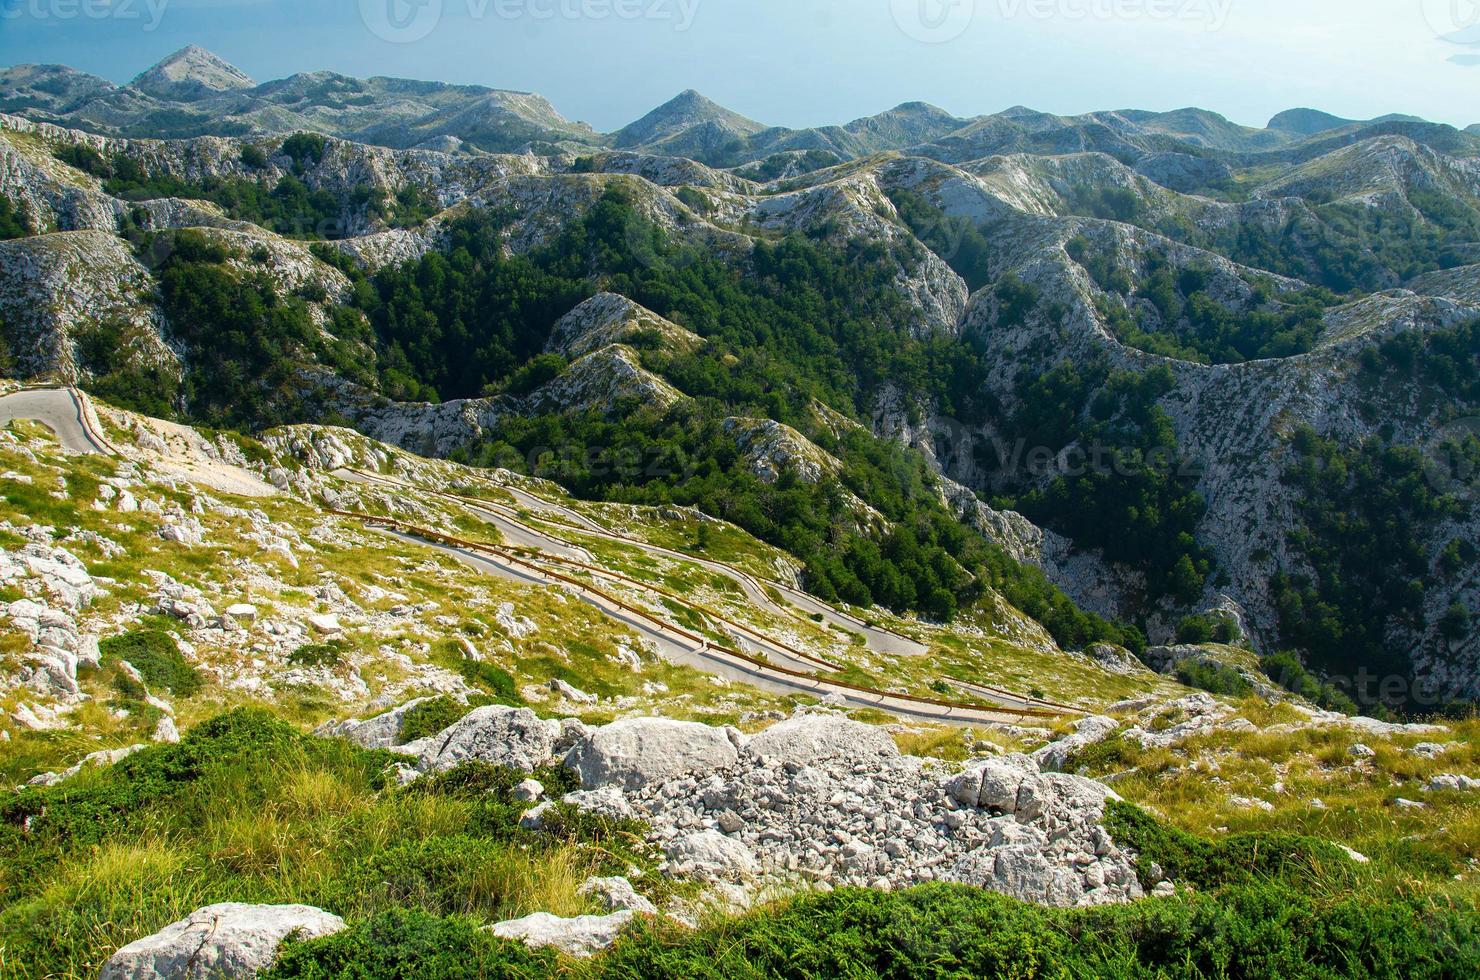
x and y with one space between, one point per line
80 399
703 643
758 583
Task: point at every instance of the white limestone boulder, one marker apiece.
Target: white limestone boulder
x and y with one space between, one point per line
219 942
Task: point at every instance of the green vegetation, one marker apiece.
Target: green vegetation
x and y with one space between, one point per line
1263 905
329 654
1208 628
289 207
1286 670
246 339
84 158
254 157
13 220
1108 203
1122 485
247 809
1363 512
105 350
157 657
1219 679
397 945
304 149
958 241
1195 327
436 715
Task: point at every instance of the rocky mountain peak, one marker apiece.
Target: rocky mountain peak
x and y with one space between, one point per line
683 112
191 73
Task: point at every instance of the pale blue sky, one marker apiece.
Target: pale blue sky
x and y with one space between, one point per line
809 62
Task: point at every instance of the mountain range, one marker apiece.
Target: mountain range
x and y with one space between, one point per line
438 539
195 93
1244 304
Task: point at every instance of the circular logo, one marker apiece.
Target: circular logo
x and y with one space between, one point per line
401 21
1452 457
1454 20
933 21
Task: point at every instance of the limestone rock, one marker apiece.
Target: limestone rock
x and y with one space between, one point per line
711 853
582 936
635 753
219 941
618 895
495 734
806 739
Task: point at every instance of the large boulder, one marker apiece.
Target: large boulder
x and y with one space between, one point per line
582 936
1022 872
710 853
219 942
993 784
638 752
807 739
501 736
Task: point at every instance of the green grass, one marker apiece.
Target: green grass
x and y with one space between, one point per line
247 809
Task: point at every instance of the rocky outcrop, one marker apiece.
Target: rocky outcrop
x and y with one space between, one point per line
816 798
57 589
607 318
639 752
583 936
219 942
497 735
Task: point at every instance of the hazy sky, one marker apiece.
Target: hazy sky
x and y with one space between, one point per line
807 62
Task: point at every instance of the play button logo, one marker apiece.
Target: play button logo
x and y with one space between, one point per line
401 21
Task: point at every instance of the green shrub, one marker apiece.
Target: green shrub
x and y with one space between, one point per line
411 945
84 158
499 684
254 157
1214 678
156 656
1208 628
304 148
13 221
1232 860
435 715
330 654
1286 670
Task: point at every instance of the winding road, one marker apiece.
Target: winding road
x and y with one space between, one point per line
879 640
680 646
683 646
62 410
783 669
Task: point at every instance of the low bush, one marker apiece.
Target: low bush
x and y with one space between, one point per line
328 655
156 656
412 946
1214 678
950 931
1233 860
